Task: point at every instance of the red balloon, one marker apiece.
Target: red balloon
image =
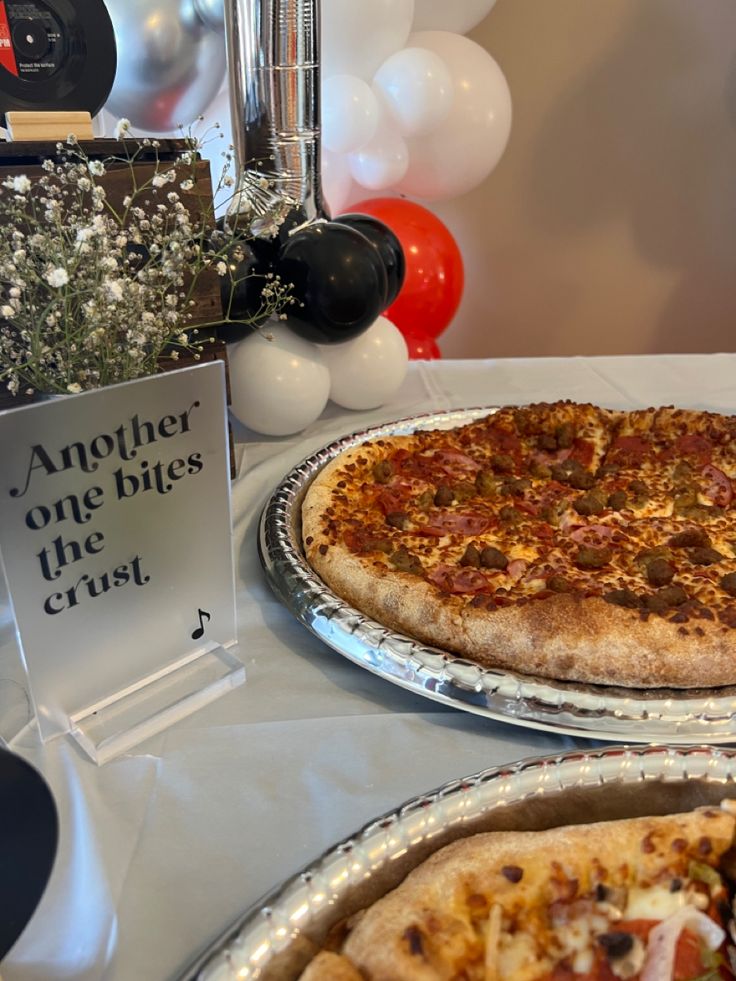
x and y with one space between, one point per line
435 276
422 348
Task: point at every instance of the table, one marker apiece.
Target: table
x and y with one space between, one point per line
162 848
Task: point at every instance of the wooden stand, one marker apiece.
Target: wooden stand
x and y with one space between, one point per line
48 125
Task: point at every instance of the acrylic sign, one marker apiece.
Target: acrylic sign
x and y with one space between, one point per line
116 544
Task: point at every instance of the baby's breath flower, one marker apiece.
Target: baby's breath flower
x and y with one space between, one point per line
57 277
114 289
122 128
90 295
21 184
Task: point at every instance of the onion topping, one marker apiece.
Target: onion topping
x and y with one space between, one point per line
662 945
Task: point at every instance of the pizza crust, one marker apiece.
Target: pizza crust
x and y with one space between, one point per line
425 928
565 637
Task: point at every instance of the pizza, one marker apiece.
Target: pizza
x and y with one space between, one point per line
643 899
562 540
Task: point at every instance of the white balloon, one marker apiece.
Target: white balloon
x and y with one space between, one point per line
279 382
461 153
337 181
358 35
368 370
381 163
458 16
416 89
350 113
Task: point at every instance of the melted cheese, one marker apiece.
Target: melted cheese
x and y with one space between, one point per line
519 959
654 903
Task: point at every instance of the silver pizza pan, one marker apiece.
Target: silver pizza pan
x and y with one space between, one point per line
277 937
623 714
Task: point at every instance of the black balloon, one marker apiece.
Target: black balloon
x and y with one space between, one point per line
339 282
240 288
388 246
293 220
29 833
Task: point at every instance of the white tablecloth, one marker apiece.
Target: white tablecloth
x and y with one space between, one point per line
162 848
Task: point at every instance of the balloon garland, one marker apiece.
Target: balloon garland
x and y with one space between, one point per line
409 107
444 107
444 119
433 284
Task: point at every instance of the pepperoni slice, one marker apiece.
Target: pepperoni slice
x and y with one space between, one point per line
452 580
441 463
544 531
355 540
628 451
454 524
720 489
582 451
504 441
694 445
393 499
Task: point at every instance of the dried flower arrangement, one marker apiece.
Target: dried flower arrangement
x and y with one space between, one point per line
90 294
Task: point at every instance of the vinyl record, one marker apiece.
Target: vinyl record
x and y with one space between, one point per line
55 55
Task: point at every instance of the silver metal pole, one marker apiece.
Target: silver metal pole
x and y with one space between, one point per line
273 54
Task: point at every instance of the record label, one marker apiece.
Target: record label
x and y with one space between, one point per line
36 38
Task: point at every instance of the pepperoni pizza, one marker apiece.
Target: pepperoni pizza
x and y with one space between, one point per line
560 540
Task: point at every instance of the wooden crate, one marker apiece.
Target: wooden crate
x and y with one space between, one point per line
26 158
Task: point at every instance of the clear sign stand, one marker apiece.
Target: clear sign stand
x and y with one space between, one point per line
115 536
116 724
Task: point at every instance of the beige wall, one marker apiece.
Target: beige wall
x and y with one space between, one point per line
609 226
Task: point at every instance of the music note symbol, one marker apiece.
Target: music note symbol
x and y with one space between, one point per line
199 632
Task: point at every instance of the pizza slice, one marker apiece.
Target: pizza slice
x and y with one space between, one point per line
642 899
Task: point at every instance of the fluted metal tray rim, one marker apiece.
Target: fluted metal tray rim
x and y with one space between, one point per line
309 902
631 715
